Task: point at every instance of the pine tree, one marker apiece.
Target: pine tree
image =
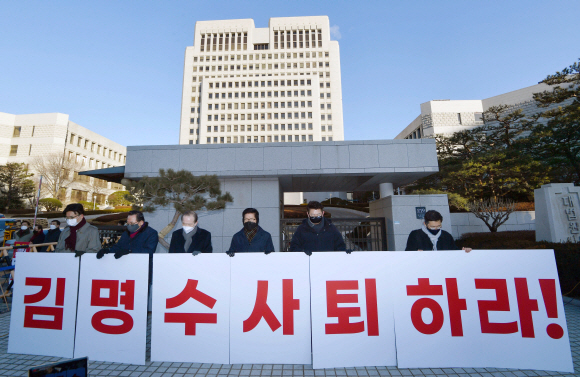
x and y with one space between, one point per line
179 189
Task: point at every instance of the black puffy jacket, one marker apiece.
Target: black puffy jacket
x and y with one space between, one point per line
306 239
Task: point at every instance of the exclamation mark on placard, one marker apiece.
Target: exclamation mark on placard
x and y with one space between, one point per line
548 287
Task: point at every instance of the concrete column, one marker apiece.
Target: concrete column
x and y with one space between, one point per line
400 215
386 189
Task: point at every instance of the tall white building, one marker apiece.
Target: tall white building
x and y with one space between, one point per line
25 137
449 116
243 84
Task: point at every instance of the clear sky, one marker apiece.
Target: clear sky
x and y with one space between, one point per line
117 66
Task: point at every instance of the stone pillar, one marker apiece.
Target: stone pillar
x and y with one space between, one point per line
557 212
386 189
400 215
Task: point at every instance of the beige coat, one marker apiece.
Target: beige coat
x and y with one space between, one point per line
87 239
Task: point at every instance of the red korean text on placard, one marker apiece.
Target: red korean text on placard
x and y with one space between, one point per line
262 309
113 299
456 305
54 311
190 319
344 326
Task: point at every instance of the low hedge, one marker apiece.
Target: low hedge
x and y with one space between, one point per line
54 215
567 254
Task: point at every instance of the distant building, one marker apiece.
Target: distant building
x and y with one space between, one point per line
24 137
243 84
449 116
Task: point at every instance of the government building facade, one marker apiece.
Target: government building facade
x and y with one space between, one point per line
243 84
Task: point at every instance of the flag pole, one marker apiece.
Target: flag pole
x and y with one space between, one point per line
37 200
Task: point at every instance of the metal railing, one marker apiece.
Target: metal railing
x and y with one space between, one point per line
110 234
359 234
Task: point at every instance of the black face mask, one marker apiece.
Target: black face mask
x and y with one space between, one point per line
316 220
433 231
248 225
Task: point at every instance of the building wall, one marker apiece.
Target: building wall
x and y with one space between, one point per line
442 116
206 67
462 223
46 134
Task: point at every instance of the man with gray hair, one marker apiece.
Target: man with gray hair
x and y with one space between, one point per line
191 238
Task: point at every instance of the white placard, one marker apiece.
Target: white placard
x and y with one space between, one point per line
44 304
352 312
270 309
486 308
191 304
112 308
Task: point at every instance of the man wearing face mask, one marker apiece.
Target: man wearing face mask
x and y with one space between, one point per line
252 238
24 234
316 233
431 236
191 238
53 233
79 236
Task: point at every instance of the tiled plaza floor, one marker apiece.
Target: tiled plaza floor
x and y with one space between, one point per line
18 365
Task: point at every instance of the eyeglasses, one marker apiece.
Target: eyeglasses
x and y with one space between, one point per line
437 228
74 217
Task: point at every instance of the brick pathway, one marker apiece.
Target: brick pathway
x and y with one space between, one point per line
18 365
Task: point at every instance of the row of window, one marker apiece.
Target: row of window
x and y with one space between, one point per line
89 162
262 127
263 116
262 105
297 39
288 93
215 42
258 139
263 84
251 67
86 144
232 58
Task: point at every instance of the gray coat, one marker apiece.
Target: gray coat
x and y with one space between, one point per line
87 239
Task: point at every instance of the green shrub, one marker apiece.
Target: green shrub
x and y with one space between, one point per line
457 203
51 204
88 205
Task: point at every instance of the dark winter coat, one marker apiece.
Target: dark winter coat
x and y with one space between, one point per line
307 239
201 241
261 242
51 236
145 242
419 240
37 239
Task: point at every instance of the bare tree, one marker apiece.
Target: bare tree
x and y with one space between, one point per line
96 187
57 172
493 212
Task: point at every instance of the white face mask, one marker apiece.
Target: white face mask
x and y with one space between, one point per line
23 227
52 227
187 229
71 222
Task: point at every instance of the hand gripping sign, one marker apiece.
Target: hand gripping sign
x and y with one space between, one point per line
270 309
112 308
481 309
352 321
191 305
44 305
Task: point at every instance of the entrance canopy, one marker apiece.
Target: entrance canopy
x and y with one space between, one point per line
312 166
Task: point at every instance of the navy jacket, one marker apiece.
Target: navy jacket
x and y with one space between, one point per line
419 240
144 242
306 239
201 241
261 242
51 236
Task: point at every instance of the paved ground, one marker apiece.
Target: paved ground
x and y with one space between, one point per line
18 365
